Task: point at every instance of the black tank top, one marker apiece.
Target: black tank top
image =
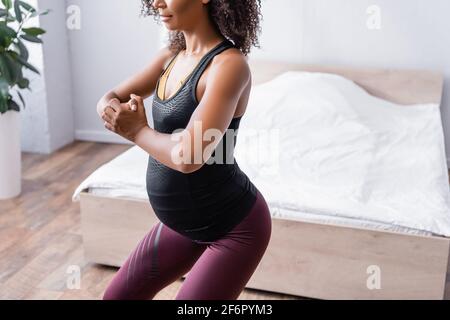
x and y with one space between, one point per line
205 204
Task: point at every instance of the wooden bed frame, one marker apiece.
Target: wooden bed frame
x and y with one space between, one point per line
307 259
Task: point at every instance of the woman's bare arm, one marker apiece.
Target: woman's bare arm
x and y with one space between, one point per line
227 79
142 84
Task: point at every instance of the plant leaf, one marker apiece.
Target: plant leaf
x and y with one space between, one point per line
23 83
21 98
7 4
41 13
26 6
17 11
3 88
12 105
3 95
23 49
33 31
4 70
7 31
31 38
10 19
13 66
26 64
3 106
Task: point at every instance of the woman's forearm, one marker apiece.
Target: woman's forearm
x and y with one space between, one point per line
166 148
104 101
163 147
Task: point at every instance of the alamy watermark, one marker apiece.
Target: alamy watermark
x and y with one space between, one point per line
73 280
262 147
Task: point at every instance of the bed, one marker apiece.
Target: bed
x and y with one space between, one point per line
312 253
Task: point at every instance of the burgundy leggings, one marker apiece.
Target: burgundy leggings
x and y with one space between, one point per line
217 270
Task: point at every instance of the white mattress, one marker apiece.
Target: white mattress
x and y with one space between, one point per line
344 157
124 177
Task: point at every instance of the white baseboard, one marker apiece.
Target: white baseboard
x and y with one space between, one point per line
99 136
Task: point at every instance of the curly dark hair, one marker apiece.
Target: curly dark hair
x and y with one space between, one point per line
236 20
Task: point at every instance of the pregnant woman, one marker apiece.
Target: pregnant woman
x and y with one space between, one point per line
214 224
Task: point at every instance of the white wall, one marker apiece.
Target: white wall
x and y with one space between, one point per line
47 120
57 66
413 35
113 43
35 135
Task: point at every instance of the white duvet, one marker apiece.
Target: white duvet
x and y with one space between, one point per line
318 145
344 152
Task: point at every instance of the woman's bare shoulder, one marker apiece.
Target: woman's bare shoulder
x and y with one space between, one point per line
234 60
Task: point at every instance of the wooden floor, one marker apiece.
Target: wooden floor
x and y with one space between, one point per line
40 238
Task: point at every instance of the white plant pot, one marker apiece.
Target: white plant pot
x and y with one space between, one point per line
10 155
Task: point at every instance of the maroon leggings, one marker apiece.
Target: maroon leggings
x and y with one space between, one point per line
217 270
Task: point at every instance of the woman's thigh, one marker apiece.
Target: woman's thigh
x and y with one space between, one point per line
160 258
225 267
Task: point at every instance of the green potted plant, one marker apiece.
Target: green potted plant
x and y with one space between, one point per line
14 16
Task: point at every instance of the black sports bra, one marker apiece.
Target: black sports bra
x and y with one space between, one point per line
207 203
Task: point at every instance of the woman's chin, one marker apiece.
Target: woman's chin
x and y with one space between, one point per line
168 26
